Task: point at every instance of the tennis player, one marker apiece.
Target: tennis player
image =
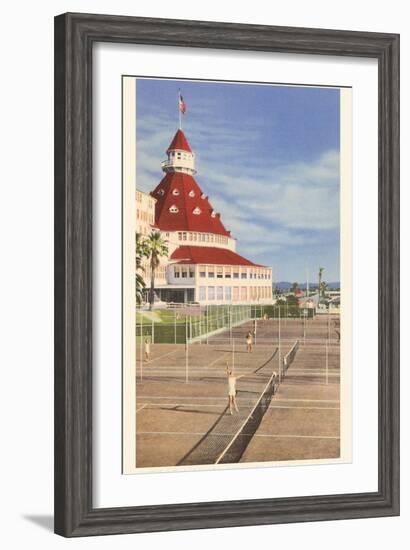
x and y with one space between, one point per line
249 342
232 389
147 349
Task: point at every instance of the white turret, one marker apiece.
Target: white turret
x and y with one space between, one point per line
180 157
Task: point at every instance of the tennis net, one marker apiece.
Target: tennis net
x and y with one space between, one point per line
237 446
289 357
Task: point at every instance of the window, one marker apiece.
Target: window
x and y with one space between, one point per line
213 214
228 272
211 293
236 275
191 272
184 273
243 275
219 272
202 271
176 272
228 293
192 193
196 211
184 236
219 292
173 209
175 192
202 293
203 196
161 192
211 274
179 236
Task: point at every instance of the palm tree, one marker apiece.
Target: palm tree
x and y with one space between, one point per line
323 288
321 270
294 288
140 252
156 247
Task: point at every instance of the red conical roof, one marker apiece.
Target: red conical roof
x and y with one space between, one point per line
194 212
209 255
179 142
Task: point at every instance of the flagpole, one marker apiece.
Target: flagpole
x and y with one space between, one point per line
179 109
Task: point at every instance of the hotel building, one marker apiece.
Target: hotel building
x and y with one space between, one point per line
202 264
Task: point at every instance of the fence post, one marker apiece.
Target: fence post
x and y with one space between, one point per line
230 323
328 322
207 323
141 344
186 349
233 354
304 327
279 348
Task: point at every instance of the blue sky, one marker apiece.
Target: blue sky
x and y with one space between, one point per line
267 156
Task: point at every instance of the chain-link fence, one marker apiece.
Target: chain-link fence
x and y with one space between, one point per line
189 323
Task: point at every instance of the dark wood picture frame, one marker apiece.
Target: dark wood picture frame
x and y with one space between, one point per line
75 35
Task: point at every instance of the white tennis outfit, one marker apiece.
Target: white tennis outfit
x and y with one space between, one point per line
232 386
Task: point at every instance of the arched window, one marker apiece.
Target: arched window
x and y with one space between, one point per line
175 192
197 211
192 193
213 214
173 209
161 192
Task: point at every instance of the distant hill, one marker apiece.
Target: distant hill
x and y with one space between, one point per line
285 285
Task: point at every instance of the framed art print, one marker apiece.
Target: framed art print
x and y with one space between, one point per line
226 275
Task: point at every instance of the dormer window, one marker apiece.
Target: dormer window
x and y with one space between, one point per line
203 196
197 211
192 193
173 209
161 192
213 214
175 192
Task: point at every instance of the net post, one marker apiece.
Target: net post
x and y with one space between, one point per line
152 331
175 326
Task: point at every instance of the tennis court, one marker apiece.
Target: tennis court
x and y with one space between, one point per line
288 397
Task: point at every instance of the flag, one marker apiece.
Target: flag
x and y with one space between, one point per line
182 105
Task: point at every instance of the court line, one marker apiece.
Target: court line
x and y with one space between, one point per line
213 362
156 358
242 403
289 436
225 397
